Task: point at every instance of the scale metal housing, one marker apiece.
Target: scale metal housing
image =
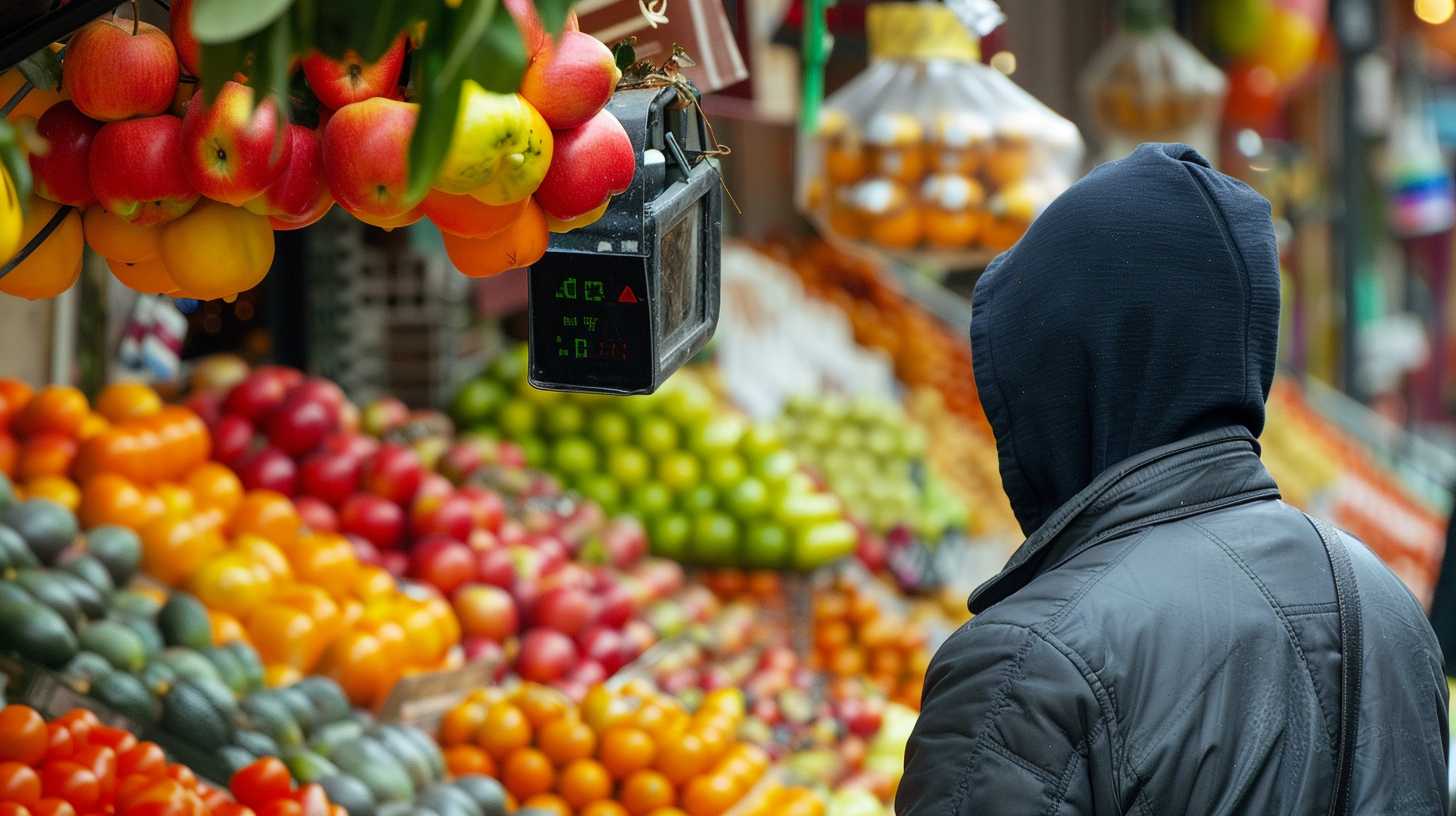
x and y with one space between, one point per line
617 306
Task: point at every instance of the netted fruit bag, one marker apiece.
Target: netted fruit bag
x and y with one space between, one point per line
928 156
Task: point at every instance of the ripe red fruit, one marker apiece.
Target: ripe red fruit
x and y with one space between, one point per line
443 563
488 507
337 83
545 656
62 173
375 519
495 567
615 606
486 611
232 437
189 51
331 477
269 469
356 446
256 396
316 515
394 473
454 517
605 646
113 74
228 144
300 424
136 172
565 609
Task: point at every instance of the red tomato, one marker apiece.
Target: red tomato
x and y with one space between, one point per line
143 758
13 809
80 722
19 783
262 783
163 797
52 807
72 782
281 807
60 745
102 762
23 735
119 740
130 788
183 774
229 809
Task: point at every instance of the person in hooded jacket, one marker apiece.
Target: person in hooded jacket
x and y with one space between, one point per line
1171 638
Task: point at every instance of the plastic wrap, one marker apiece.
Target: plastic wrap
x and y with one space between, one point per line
928 156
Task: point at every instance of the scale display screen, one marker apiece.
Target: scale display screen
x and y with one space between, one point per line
590 322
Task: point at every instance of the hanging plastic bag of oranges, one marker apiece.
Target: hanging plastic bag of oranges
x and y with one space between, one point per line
929 156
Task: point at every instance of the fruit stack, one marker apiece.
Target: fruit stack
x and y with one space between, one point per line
633 751
181 193
856 635
712 488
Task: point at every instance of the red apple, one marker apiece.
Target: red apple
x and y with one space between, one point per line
663 577
625 541
377 520
615 606
586 674
269 469
570 80
395 562
766 710
316 515
394 473
189 51
443 563
511 455
366 165
353 445
299 190
337 83
460 460
364 550
604 645
482 540
545 656
566 609
283 223
112 73
290 378
512 533
453 517
207 405
495 567
62 173
860 717
486 611
325 391
551 549
489 508
256 397
639 636
383 415
483 649
330 477
300 424
232 437
231 149
591 163
136 170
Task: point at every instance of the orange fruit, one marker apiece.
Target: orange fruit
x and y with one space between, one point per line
59 409
215 486
267 514
173 549
463 760
565 739
682 758
606 807
710 795
541 704
150 277
465 217
461 723
667 811
111 499
283 634
215 250
505 731
225 628
45 454
116 239
847 662
626 749
527 772
646 791
548 802
279 676
58 489
584 781
727 701
36 102
518 245
55 264
360 664
122 401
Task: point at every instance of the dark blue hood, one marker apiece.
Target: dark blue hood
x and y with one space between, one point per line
1141 308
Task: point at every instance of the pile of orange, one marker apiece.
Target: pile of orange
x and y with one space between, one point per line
784 800
856 637
632 751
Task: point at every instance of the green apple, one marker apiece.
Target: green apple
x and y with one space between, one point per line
509 367
726 470
610 428
574 455
680 471
564 419
760 440
534 449
657 435
715 538
800 511
629 466
670 534
719 436
476 401
517 418
776 468
602 489
748 499
822 543
651 500
688 402
700 499
767 545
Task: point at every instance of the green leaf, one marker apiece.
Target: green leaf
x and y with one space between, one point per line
387 19
305 20
500 61
553 14
439 106
341 26
624 55
220 21
220 61
467 27
42 69
274 58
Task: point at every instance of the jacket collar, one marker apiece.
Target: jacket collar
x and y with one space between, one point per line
1195 475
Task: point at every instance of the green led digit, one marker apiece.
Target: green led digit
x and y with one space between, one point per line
580 348
567 290
593 290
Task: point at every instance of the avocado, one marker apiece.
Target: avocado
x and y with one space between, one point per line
367 760
486 792
252 665
229 668
47 527
118 549
188 713
126 695
184 622
134 605
427 746
422 811
327 697
350 794
84 668
51 593
16 554
306 766
235 759
266 713
257 743
220 696
11 592
299 707
408 755
90 569
115 642
158 677
147 632
448 801
7 492
394 809
331 736
38 633
188 663
92 602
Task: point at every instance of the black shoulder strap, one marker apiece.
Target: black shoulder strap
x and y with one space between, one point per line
1347 601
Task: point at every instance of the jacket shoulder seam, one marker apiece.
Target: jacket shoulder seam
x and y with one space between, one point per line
1011 755
1000 700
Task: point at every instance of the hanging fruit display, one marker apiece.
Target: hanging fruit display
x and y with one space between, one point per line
1270 46
498 134
929 155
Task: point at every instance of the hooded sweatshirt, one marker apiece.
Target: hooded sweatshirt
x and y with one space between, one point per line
1141 308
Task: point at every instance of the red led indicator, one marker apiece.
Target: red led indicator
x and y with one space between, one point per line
627 296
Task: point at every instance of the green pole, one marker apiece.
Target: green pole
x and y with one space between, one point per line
815 56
